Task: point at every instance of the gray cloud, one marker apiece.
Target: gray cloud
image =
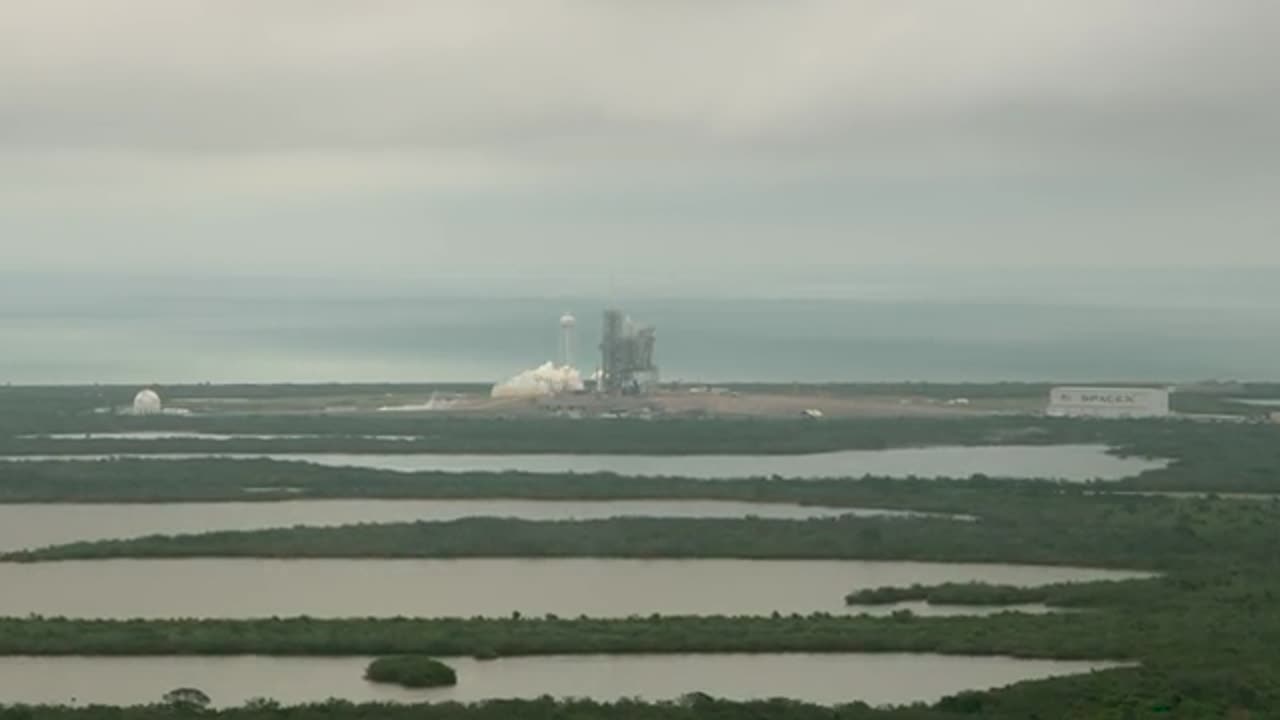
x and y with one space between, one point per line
451 135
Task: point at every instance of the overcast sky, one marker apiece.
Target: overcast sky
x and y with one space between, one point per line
668 137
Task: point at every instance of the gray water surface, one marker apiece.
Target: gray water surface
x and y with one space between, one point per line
1065 462
229 681
247 588
30 526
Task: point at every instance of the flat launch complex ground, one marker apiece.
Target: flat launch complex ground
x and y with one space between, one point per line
784 401
1209 401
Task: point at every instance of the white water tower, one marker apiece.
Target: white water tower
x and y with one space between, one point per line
568 326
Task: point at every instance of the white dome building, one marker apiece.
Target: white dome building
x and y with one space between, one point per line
147 402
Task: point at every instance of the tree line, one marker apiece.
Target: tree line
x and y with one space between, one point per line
1164 534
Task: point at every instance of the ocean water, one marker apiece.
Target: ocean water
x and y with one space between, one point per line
139 334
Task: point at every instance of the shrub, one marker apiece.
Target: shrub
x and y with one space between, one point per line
411 671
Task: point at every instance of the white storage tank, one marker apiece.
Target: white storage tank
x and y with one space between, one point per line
1108 402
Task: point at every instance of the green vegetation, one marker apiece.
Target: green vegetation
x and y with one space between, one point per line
187 698
971 593
411 671
1204 667
1205 633
640 537
1115 694
358 433
217 480
1212 457
1017 524
1089 636
1063 595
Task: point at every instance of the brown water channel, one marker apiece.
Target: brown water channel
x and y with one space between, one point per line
1077 463
827 679
247 588
29 526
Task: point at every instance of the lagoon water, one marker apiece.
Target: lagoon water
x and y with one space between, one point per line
1067 462
229 681
1078 463
492 587
30 526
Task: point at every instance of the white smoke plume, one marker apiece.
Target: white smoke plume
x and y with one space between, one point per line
542 381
